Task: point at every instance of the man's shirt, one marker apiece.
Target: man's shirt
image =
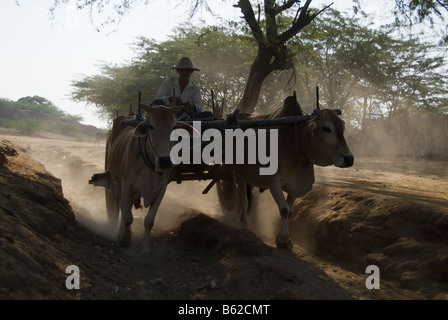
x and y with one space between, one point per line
191 93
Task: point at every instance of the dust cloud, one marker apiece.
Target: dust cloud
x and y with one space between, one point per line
417 136
74 162
264 217
179 203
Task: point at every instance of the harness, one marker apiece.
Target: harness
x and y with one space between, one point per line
144 155
296 134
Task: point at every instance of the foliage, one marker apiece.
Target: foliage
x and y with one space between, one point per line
33 115
272 35
35 104
110 12
365 71
222 56
266 24
27 126
409 13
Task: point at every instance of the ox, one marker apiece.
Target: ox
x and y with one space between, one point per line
138 162
100 136
318 141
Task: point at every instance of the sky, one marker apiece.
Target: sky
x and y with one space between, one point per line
43 56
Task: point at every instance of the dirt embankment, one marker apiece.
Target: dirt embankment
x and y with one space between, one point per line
384 213
200 259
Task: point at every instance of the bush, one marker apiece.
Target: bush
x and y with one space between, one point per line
27 126
65 128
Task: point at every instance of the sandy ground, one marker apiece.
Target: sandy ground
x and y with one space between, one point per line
391 213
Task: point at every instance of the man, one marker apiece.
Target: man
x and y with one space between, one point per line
182 90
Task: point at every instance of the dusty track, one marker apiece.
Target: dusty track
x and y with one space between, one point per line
387 212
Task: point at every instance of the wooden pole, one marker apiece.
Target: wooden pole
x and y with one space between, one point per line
245 124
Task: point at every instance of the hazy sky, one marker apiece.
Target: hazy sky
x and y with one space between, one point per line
41 56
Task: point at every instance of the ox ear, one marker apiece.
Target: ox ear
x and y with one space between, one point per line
142 129
337 111
145 107
313 128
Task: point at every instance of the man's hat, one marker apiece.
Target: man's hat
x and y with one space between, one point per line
185 63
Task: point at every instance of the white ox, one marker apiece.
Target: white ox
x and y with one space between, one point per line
139 164
319 141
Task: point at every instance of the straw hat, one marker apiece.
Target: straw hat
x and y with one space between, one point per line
185 63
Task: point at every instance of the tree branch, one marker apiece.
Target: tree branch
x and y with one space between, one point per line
305 18
249 16
287 5
271 23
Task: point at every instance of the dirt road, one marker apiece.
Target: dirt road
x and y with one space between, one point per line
391 213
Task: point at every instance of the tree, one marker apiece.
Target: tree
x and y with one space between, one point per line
350 62
271 34
340 56
222 56
367 72
410 12
36 100
272 38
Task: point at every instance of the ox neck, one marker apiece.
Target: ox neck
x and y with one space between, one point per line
302 140
142 149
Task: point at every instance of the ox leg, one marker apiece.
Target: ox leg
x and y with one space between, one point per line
283 241
124 234
112 208
149 220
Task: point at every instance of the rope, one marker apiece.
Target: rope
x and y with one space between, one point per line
144 155
296 134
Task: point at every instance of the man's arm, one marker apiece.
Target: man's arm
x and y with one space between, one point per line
197 99
164 92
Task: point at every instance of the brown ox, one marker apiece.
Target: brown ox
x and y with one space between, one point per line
319 141
138 161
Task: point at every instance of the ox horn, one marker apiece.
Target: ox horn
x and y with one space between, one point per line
145 107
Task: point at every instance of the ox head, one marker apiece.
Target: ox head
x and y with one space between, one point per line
157 127
327 143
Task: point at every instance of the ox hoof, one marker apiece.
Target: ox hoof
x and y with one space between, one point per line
283 245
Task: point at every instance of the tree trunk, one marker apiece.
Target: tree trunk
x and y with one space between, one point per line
257 75
268 59
272 50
